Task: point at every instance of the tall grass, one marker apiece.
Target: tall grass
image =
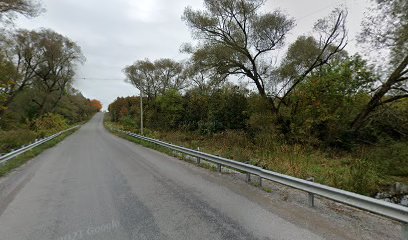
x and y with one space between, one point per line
365 171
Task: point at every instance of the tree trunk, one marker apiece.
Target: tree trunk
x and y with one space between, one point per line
42 105
57 101
376 100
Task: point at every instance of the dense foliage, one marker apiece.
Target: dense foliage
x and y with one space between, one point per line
317 96
206 113
37 69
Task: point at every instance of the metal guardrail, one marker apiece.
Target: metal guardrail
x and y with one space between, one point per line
8 156
389 210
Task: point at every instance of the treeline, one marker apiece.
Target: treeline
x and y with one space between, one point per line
37 70
317 93
321 117
225 108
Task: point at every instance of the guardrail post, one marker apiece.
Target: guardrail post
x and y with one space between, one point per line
392 211
219 167
260 181
311 195
311 199
248 177
198 159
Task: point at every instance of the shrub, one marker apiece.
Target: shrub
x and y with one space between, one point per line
129 123
169 110
14 139
49 123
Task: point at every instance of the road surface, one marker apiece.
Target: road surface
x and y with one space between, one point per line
95 185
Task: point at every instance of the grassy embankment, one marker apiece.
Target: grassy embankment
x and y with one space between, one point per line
366 170
23 158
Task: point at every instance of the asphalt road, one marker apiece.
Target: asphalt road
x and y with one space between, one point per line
94 185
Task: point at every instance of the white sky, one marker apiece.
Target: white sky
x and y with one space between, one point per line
113 34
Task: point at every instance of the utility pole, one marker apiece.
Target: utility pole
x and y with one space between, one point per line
141 110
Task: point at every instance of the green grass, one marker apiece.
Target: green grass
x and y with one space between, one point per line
25 157
268 190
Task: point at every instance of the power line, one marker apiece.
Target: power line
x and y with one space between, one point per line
317 11
92 78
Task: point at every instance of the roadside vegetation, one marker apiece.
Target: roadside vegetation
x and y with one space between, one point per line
318 112
37 70
23 158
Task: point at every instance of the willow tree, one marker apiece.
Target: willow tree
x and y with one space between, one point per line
55 68
10 8
42 60
387 30
7 74
206 80
308 54
236 38
155 78
18 64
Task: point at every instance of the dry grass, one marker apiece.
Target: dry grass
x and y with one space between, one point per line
348 171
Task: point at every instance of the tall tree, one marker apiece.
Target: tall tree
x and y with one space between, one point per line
170 75
44 60
206 80
387 29
235 37
308 54
9 9
7 74
96 104
141 75
56 69
20 55
156 78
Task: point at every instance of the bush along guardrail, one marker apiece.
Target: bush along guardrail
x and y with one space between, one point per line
8 156
386 209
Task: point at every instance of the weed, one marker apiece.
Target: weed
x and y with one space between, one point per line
268 190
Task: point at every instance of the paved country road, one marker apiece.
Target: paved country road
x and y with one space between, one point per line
94 185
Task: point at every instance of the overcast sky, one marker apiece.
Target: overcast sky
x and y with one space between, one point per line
113 34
